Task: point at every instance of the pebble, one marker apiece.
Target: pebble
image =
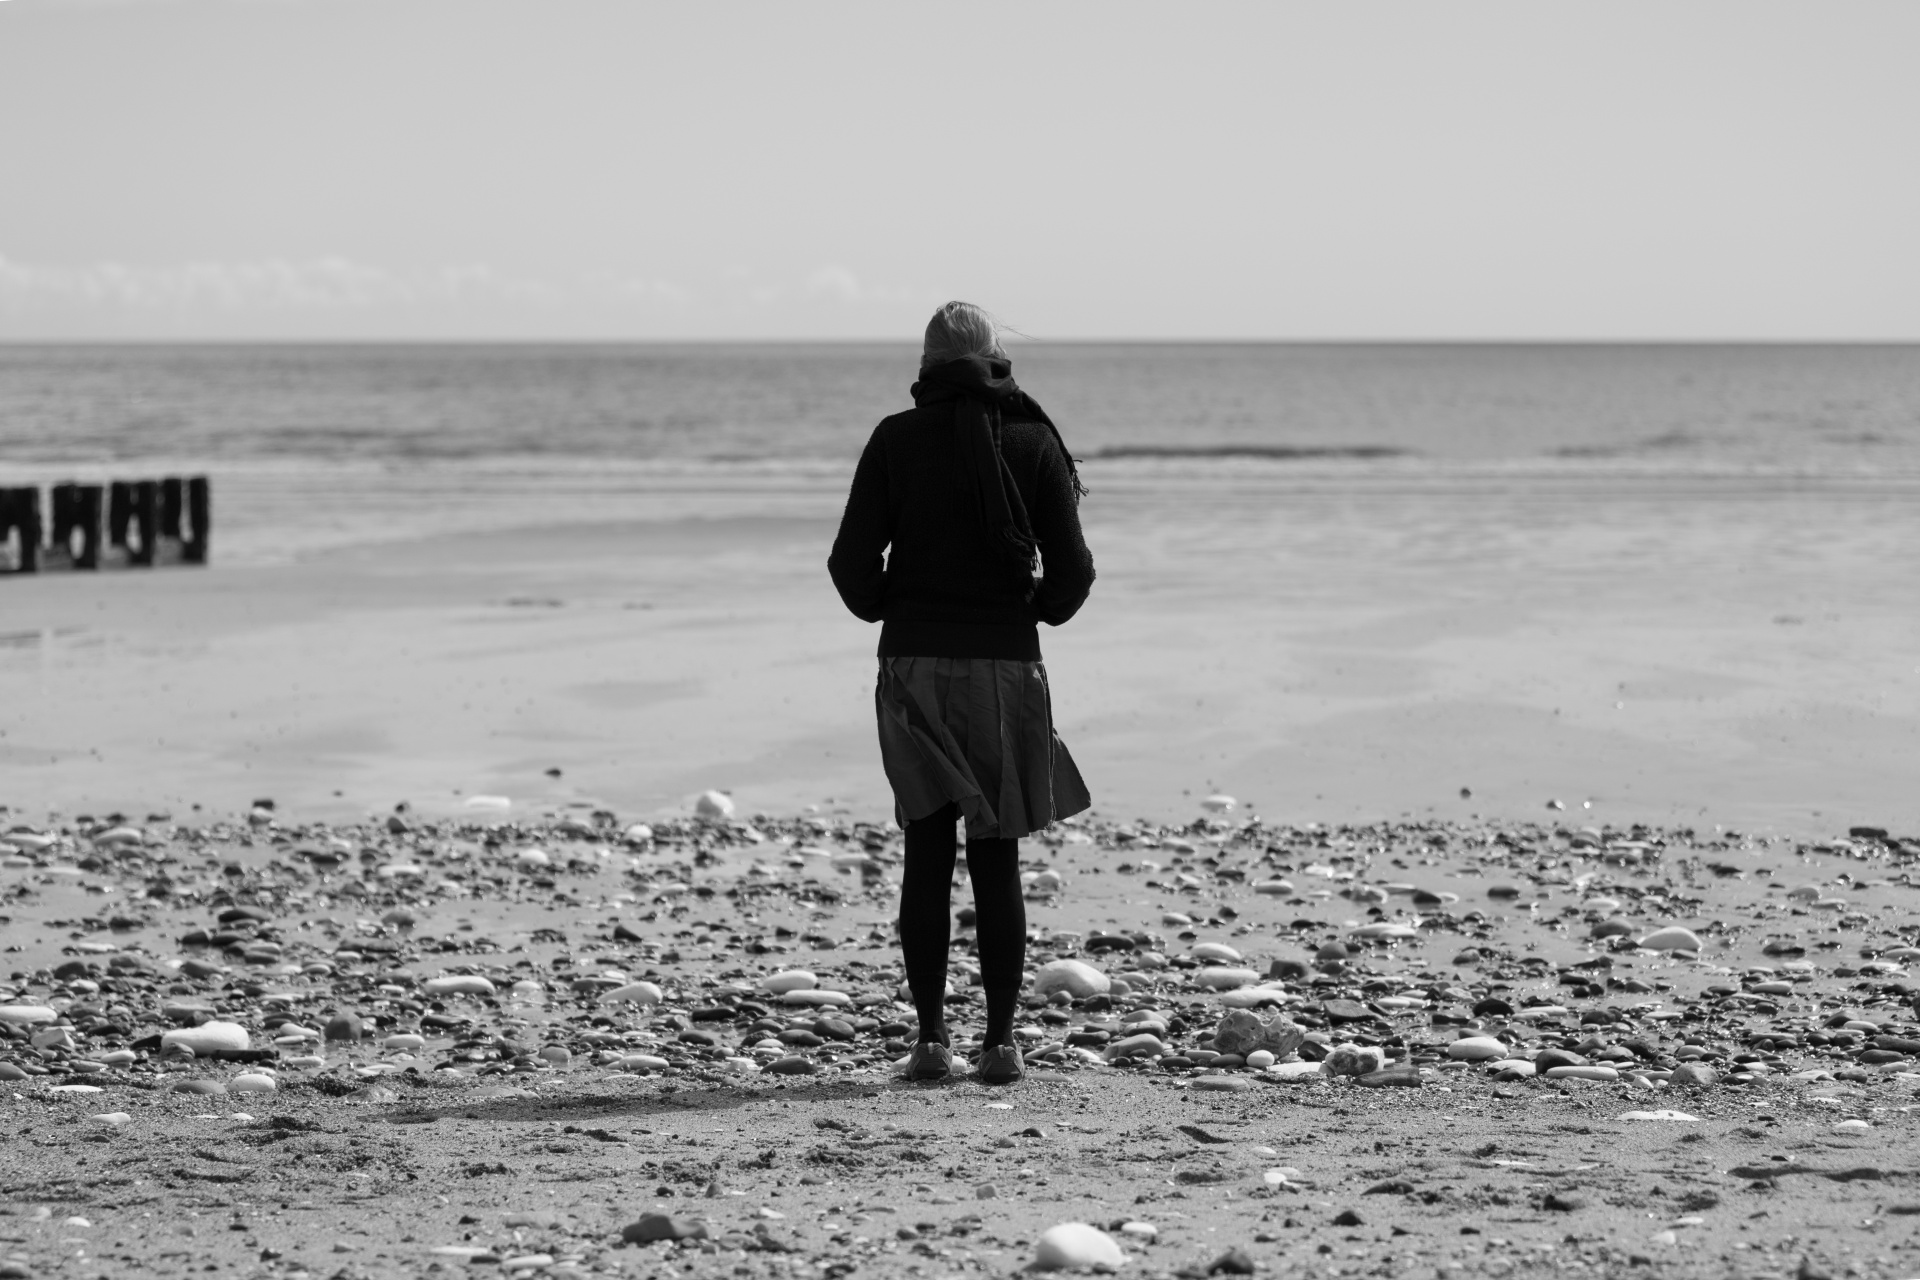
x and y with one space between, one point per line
1476 1049
22 1015
1218 951
1671 938
344 1026
252 1082
1075 977
114 1118
1139 1230
208 1037
634 993
1072 1246
659 1226
1221 978
1693 1074
1223 1084
714 805
458 984
1583 1073
1678 1116
789 980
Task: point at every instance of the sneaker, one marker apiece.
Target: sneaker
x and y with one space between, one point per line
1001 1065
930 1060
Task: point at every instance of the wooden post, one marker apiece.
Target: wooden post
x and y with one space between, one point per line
83 513
145 497
119 512
170 495
20 515
199 518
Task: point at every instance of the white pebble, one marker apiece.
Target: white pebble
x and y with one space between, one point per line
1680 1116
1075 977
1476 1049
252 1082
1217 951
458 984
208 1037
634 993
714 804
1219 978
1073 1245
789 980
1671 938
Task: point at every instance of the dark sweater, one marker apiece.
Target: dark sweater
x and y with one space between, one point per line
942 593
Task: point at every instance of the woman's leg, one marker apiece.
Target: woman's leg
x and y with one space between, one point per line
926 904
994 866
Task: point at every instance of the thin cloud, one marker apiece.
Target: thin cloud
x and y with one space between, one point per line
269 284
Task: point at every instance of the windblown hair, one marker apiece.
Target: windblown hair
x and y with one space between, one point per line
959 330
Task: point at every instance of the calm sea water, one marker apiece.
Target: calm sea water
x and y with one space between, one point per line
324 443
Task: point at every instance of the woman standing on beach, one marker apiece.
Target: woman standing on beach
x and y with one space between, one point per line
975 492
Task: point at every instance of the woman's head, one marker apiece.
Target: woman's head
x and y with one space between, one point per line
959 330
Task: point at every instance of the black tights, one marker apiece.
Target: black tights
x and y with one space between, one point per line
926 891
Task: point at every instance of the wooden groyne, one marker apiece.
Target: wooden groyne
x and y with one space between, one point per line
125 524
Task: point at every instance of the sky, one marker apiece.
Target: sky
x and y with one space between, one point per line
618 169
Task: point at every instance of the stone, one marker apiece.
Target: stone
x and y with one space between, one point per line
1222 978
1260 1059
1401 1075
792 1065
1223 1084
1696 1075
252 1082
1219 803
817 999
713 805
183 1084
1216 951
23 1015
1234 1262
1679 1117
1616 927
1353 1060
1075 977
1072 1246
789 980
634 993
1476 1049
659 1226
1143 1045
458 984
208 1037
1671 938
1583 1073
345 1026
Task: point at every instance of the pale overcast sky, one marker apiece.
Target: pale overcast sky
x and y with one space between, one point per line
619 169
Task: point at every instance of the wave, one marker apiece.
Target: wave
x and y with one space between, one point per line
1274 452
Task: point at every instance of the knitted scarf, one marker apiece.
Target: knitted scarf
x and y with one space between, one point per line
985 396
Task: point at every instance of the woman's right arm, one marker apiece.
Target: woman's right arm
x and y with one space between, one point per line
1067 563
866 527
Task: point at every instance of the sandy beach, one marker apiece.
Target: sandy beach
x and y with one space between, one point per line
594 1047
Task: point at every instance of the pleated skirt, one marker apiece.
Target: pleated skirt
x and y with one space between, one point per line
977 733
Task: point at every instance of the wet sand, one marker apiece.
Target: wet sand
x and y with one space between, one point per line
1339 647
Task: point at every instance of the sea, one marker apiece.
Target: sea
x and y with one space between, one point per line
313 446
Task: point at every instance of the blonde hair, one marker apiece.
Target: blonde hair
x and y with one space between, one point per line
959 330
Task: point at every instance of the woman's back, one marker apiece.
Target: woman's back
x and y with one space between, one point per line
946 589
